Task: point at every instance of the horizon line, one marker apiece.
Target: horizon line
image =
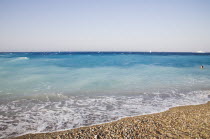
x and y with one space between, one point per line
199 52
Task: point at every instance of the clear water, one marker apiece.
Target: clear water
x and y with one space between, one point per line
41 92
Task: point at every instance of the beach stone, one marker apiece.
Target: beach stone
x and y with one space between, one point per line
169 135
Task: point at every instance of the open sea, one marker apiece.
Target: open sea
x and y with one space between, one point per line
42 92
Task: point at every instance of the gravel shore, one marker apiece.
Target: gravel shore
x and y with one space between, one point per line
180 122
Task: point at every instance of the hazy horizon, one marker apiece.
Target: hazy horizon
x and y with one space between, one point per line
117 25
105 51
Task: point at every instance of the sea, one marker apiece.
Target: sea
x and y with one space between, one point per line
53 91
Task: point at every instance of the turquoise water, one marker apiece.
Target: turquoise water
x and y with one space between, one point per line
42 92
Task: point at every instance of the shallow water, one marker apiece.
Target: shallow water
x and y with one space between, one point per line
42 92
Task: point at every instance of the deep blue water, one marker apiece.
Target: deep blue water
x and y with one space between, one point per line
48 91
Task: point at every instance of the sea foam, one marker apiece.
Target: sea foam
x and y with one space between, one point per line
31 115
22 58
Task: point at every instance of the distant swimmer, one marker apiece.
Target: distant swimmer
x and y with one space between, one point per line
202 66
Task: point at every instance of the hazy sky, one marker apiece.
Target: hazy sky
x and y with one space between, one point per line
104 25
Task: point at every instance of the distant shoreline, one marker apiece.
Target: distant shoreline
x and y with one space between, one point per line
191 121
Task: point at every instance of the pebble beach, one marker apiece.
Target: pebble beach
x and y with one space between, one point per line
105 69
179 122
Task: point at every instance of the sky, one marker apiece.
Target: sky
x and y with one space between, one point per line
105 25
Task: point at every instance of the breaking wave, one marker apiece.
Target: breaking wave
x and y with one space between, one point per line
59 112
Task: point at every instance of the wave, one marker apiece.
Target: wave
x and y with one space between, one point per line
22 58
35 115
19 59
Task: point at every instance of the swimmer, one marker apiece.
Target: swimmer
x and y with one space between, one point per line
202 66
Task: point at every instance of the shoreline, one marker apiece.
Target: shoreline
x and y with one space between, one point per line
191 121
